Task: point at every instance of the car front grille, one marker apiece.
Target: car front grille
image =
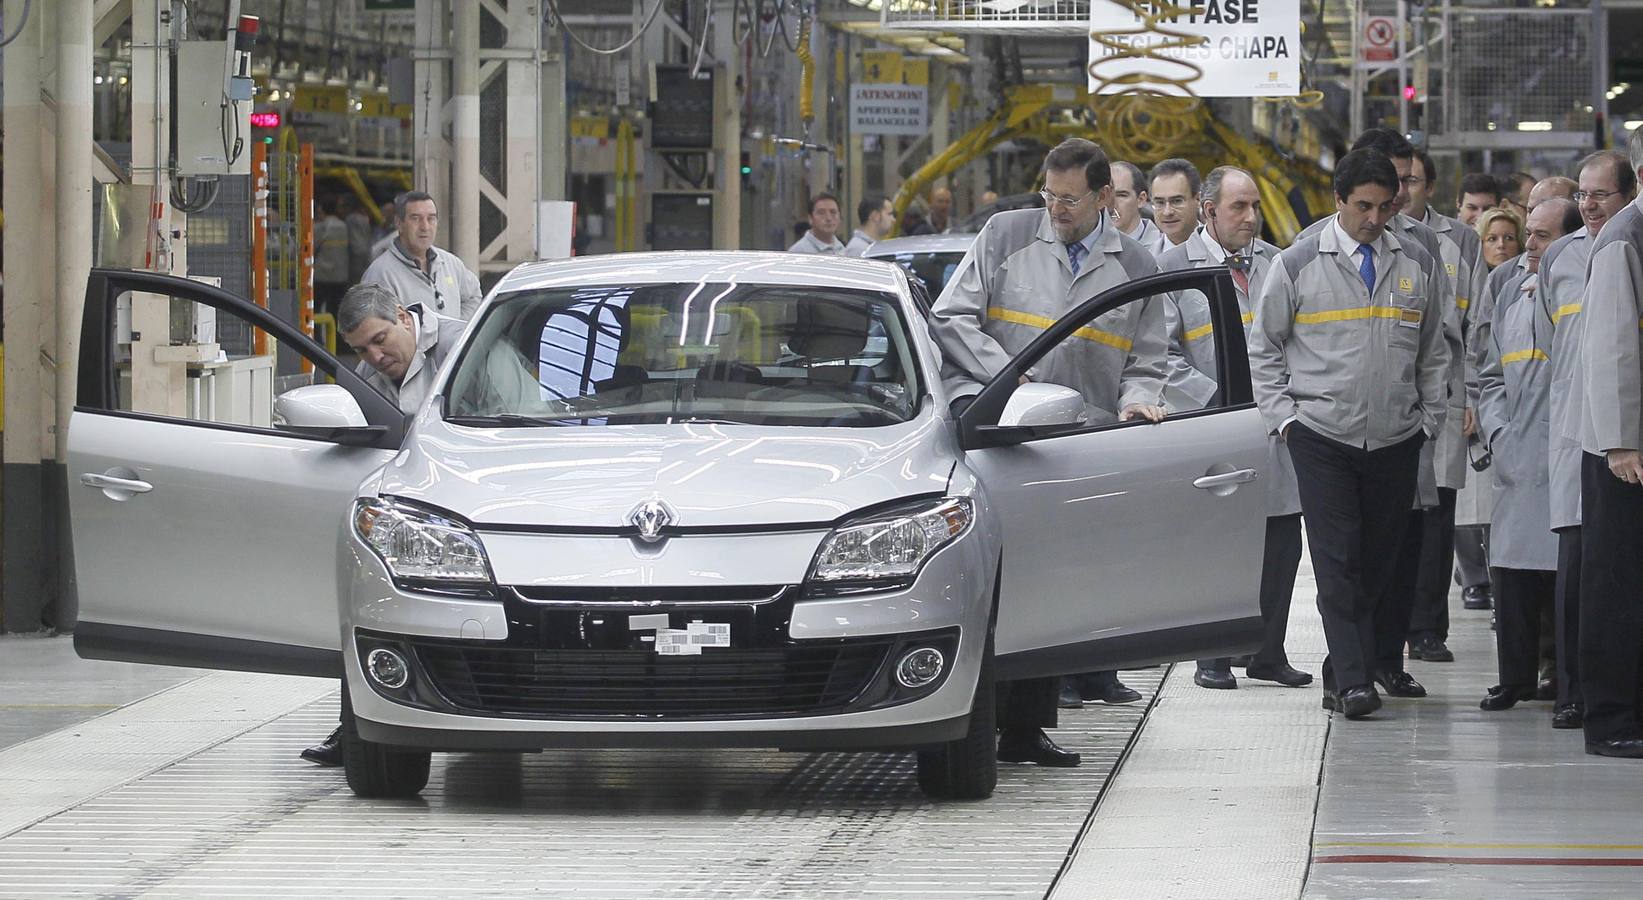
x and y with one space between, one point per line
814 678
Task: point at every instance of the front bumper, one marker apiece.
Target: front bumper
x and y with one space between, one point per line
520 674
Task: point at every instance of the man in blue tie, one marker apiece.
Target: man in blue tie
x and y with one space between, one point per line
1349 364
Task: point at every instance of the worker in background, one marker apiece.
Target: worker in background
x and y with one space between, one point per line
941 210
383 236
913 220
988 198
331 277
1354 396
1607 184
1611 482
416 272
823 236
1501 230
1421 244
1514 193
1478 192
876 215
1460 253
1129 194
359 235
1515 383
1174 188
1230 236
1026 269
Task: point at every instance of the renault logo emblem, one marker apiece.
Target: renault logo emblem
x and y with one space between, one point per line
650 517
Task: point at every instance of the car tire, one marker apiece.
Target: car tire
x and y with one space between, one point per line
378 770
967 769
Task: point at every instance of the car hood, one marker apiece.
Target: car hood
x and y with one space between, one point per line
712 476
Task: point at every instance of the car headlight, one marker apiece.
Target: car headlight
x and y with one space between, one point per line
890 546
421 546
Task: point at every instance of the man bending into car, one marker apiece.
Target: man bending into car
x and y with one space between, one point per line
1027 269
400 350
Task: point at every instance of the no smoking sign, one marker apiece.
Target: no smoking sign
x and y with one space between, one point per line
1380 38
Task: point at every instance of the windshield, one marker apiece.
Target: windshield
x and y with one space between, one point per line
933 267
755 354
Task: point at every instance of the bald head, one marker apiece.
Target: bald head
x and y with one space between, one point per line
941 206
1552 219
1555 186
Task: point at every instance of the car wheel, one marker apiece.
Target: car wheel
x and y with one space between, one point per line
377 770
966 769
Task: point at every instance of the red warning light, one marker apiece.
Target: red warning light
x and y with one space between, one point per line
265 120
1408 92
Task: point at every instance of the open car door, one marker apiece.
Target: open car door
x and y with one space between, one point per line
204 534
1127 543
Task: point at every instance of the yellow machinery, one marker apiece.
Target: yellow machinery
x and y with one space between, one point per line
1048 114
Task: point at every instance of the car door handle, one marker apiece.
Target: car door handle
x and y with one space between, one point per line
1225 479
109 482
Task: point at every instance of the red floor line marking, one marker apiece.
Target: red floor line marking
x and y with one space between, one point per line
1577 861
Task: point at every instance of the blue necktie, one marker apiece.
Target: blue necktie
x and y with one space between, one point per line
1366 268
1075 255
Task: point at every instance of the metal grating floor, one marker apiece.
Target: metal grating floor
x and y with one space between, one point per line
245 817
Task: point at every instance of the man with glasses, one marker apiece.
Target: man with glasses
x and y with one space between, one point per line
1611 475
1027 269
1175 185
1607 184
1129 194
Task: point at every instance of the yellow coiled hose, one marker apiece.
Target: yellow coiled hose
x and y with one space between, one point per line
807 72
1151 112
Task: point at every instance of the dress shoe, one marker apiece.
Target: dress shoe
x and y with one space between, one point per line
1503 697
1625 748
327 753
1241 662
1355 703
1107 691
1399 684
1212 678
1034 746
1478 596
1284 674
1430 648
1568 715
1546 689
1069 698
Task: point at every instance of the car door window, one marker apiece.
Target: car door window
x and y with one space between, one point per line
174 349
1117 351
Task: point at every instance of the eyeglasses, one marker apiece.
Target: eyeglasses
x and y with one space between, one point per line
1599 196
1170 202
1412 181
1068 202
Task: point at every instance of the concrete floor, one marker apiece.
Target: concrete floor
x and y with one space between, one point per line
124 781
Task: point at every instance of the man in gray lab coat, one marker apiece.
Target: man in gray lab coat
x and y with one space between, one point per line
1026 269
1611 483
1515 388
1230 237
1350 367
1607 184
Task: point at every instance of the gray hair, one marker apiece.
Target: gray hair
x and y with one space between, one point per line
1212 181
1634 148
366 301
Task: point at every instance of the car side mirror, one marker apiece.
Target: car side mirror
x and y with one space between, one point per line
325 411
1036 410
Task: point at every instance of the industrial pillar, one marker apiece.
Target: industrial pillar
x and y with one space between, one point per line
727 131
464 201
554 119
26 605
431 57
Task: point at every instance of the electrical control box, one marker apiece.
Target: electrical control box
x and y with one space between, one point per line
213 129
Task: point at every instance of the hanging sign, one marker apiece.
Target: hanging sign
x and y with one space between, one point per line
889 109
1245 48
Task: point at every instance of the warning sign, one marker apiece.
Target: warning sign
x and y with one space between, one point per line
888 109
1380 39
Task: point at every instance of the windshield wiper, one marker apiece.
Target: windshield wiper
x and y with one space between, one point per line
506 420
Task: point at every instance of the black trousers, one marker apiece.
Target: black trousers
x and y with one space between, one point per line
1521 596
1430 614
1356 505
1027 704
1280 561
1567 612
1397 603
1472 553
1611 601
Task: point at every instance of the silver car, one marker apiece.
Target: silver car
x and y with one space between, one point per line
931 259
663 500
